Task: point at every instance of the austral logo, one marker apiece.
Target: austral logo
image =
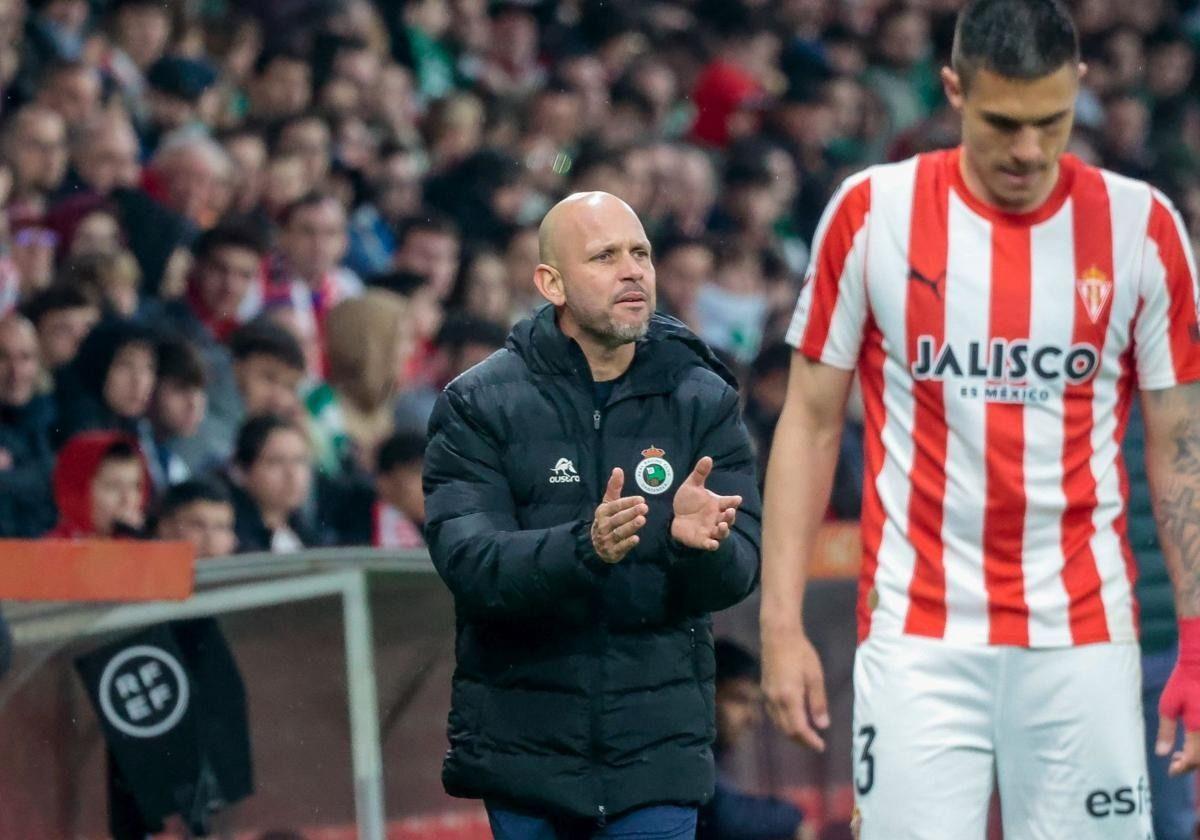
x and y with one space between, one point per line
1002 370
563 472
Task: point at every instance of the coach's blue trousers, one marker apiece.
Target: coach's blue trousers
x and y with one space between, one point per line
656 822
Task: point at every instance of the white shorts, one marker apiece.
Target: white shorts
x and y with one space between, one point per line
1058 730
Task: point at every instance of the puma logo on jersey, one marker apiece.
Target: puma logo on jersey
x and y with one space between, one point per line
564 472
933 284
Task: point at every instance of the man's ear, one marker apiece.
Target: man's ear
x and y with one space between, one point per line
549 282
953 88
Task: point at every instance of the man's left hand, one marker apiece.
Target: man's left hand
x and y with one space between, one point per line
702 518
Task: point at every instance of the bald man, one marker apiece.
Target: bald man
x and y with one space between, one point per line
590 499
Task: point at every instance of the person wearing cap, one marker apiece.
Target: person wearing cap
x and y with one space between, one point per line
181 93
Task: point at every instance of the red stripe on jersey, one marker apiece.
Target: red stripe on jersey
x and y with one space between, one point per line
1181 287
1120 524
925 315
1004 513
832 251
870 375
1092 226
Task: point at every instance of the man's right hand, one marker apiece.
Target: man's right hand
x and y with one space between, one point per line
794 685
617 521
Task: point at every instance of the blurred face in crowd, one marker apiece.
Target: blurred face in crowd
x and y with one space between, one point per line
739 708
224 277
206 525
284 88
401 488
98 233
130 380
314 239
279 479
197 184
434 255
117 495
38 150
430 16
74 93
308 140
268 386
60 332
681 273
106 155
488 295
904 40
597 269
284 182
398 187
19 363
249 155
142 31
178 408
1014 132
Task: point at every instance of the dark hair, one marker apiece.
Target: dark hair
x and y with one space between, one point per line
1017 39
429 222
228 236
275 133
191 491
314 198
180 362
772 357
56 298
100 348
253 436
268 57
263 337
459 330
735 662
399 450
122 450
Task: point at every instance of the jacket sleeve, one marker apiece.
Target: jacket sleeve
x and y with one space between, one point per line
708 581
495 569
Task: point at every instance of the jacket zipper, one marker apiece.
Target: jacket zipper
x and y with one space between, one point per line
602 633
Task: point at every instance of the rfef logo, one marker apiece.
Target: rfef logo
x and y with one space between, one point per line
143 691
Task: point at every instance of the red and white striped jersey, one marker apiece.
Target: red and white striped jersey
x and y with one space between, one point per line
998 354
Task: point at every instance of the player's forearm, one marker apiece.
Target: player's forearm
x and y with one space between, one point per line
799 479
1173 467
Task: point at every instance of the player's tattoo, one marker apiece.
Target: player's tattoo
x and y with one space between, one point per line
1177 503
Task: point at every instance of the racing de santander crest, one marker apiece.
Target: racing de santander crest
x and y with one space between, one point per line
653 474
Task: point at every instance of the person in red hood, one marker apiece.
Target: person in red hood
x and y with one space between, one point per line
731 88
101 487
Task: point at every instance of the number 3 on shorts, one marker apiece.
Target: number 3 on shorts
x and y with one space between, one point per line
864 775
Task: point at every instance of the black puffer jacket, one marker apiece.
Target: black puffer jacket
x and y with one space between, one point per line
581 688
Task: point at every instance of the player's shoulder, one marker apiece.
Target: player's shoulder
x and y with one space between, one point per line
1125 194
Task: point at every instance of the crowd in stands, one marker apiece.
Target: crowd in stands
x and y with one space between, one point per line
245 244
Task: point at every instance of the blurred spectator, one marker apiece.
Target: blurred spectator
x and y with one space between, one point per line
422 24
732 309
369 341
732 86
71 88
26 417
180 95
462 342
198 511
176 409
111 381
765 391
482 289
282 85
684 266
389 510
101 487
139 31
35 145
104 154
430 246
261 375
62 316
247 151
191 175
306 137
272 477
395 190
731 814
903 75
304 274
109 276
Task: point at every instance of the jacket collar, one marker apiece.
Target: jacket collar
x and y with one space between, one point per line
666 351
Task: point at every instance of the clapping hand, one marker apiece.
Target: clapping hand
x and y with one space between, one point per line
617 521
702 518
